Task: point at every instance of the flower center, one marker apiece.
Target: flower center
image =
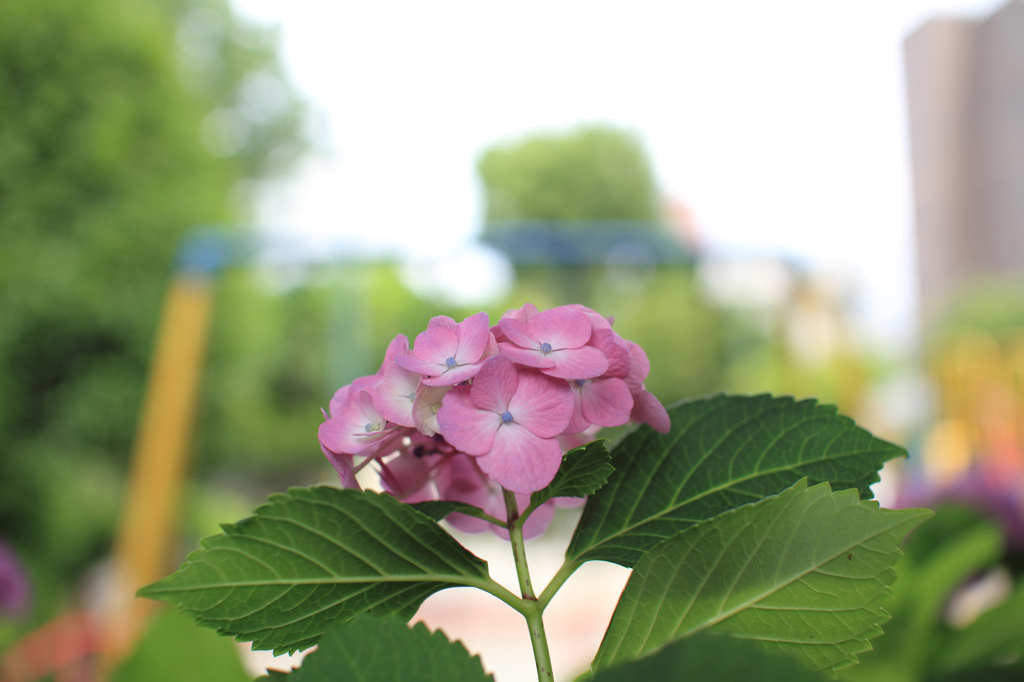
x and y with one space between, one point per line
450 362
372 427
412 396
545 348
580 382
506 417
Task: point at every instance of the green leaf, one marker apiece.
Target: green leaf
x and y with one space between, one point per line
997 635
926 578
712 658
312 556
805 572
722 452
367 648
583 471
440 509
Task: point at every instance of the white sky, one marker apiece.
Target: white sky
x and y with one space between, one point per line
781 124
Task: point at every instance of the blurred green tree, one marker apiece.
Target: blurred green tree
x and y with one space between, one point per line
599 176
591 173
123 124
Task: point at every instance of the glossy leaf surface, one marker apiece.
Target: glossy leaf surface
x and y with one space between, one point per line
722 452
368 648
312 556
805 573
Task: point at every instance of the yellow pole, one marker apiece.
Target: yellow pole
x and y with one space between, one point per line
145 543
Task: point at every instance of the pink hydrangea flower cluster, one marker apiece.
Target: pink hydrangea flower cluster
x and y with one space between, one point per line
471 409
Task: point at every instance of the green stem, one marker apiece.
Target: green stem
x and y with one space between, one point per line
499 591
539 639
515 530
485 516
534 613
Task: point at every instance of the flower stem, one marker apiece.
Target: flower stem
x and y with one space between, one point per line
539 639
515 530
535 615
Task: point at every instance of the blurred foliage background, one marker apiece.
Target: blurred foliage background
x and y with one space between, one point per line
124 124
591 173
127 123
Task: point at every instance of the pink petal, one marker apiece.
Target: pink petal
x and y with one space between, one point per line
474 333
538 522
561 327
614 348
492 347
596 320
406 474
577 363
455 375
462 481
422 495
368 382
442 321
437 344
541 404
464 425
346 393
339 400
495 384
648 410
498 334
574 440
607 402
523 313
392 398
639 368
346 433
398 346
530 358
424 409
577 423
516 332
414 364
340 435
520 461
342 463
370 414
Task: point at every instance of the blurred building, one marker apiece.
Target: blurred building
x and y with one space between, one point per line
965 87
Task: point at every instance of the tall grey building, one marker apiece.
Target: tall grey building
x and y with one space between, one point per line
965 88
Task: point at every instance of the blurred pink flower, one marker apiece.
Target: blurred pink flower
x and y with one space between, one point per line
520 314
554 341
357 427
646 408
509 419
424 408
462 416
605 401
448 353
395 395
462 480
408 476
